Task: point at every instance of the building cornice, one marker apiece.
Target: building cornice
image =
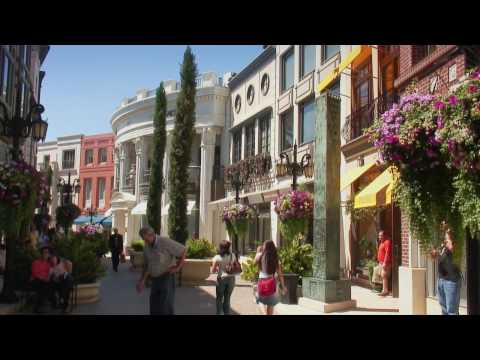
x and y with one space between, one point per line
261 59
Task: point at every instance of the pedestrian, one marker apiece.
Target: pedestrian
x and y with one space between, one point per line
40 279
116 248
449 276
384 257
163 258
61 279
223 264
269 265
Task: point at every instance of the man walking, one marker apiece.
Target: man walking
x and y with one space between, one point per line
163 258
116 248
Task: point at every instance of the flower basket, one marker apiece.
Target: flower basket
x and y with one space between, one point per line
295 210
236 218
66 215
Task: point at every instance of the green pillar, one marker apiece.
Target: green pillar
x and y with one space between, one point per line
325 285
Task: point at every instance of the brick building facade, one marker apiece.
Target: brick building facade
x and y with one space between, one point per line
96 172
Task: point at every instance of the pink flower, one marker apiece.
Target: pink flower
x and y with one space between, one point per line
439 105
472 89
440 122
452 100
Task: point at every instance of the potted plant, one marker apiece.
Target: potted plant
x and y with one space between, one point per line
296 260
82 250
198 261
236 218
295 210
136 254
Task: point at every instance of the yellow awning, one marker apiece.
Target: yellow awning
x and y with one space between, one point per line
378 192
354 174
335 72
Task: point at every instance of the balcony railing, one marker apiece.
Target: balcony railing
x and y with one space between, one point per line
363 118
255 173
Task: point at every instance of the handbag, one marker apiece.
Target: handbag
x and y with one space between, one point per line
267 286
234 267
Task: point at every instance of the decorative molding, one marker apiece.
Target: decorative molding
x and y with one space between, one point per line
304 88
285 101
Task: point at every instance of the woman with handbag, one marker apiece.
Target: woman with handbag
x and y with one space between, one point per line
269 265
226 265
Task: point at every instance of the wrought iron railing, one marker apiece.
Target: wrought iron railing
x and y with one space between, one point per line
358 121
255 173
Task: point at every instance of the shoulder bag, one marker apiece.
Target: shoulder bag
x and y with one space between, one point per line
234 267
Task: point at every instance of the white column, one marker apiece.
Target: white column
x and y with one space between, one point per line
207 158
116 173
139 145
122 167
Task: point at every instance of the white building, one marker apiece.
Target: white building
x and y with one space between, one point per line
132 124
63 155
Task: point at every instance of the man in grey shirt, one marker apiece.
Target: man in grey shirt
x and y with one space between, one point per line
163 258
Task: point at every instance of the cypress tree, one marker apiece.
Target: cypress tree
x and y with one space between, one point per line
154 204
182 139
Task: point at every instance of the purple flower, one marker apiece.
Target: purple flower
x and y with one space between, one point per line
452 100
431 153
472 89
439 105
440 123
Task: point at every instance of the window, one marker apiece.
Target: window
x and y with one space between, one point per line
265 84
238 103
101 193
68 160
287 70
307 121
250 94
250 140
307 58
362 86
264 144
5 76
334 89
287 130
46 161
422 51
102 155
237 146
89 156
87 193
329 51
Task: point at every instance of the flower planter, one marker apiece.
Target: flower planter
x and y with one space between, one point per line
88 293
291 282
196 271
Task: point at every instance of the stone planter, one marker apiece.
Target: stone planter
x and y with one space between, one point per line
195 271
88 293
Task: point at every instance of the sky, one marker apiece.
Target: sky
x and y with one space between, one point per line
84 84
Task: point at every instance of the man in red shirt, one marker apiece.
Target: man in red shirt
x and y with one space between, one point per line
384 258
40 279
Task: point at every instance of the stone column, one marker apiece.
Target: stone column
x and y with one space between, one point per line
122 167
206 171
325 291
139 165
116 174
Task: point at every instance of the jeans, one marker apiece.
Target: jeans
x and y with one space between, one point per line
64 287
449 296
225 288
162 295
44 292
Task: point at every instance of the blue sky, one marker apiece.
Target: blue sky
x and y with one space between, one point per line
84 84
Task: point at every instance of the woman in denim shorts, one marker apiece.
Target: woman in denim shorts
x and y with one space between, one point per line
267 261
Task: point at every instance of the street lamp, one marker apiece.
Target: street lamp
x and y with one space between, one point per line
91 212
237 182
65 189
305 166
18 127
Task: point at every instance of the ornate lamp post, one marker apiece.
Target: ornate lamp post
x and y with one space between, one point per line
65 189
237 182
17 127
91 212
305 166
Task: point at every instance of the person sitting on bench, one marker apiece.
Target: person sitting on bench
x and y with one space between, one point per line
61 278
40 279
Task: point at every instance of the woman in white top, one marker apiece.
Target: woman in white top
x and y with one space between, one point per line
225 281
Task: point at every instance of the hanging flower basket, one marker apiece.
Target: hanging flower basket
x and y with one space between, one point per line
295 210
22 189
236 218
66 215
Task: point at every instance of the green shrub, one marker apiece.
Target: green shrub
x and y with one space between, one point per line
83 253
296 258
200 249
24 257
250 270
138 245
